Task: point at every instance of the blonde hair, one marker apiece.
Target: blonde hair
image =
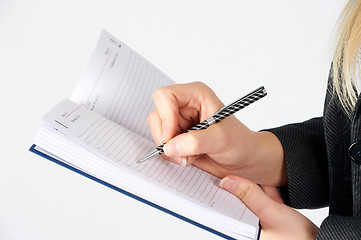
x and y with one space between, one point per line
344 71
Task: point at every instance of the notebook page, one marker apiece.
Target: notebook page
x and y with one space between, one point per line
64 148
118 84
124 147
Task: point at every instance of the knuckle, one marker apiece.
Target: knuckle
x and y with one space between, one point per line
222 136
159 92
244 191
200 85
193 143
150 117
207 92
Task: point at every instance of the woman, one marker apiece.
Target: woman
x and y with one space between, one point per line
314 164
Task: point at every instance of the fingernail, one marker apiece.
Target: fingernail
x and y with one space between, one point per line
171 148
181 161
228 184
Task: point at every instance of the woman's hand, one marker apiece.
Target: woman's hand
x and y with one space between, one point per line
227 147
277 220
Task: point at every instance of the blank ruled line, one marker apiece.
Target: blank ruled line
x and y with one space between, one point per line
231 206
161 171
226 204
132 150
106 135
149 105
158 177
204 190
195 181
210 201
169 169
113 131
180 174
117 142
185 183
132 106
128 141
182 180
201 184
138 95
90 126
221 201
156 168
244 210
119 89
241 211
143 107
125 87
123 139
125 97
96 136
152 163
94 129
100 74
176 168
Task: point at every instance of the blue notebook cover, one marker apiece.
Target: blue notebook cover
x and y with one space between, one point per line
34 150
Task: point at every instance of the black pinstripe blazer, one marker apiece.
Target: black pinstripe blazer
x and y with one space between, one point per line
320 170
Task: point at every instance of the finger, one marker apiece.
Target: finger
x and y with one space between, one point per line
167 108
210 140
207 164
191 97
253 197
278 221
154 123
273 193
155 126
183 161
192 159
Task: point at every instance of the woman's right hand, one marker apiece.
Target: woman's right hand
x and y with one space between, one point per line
225 148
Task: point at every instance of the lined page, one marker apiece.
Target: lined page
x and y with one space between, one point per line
107 116
124 147
118 84
72 153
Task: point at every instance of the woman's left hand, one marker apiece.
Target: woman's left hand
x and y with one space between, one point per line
278 221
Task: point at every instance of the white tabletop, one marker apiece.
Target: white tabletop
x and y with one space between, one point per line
233 46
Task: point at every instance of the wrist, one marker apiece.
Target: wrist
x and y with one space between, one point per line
268 154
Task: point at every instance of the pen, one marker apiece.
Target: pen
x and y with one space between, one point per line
218 116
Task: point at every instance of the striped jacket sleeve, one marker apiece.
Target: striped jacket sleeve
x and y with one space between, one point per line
340 227
306 162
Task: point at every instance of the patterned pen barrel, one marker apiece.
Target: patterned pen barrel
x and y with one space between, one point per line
232 108
218 116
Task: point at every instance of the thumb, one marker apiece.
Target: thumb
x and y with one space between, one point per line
195 142
253 197
273 193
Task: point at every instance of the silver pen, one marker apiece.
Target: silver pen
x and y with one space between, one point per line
218 116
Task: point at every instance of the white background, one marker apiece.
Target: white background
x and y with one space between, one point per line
234 46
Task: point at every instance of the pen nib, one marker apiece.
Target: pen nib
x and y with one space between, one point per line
149 155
